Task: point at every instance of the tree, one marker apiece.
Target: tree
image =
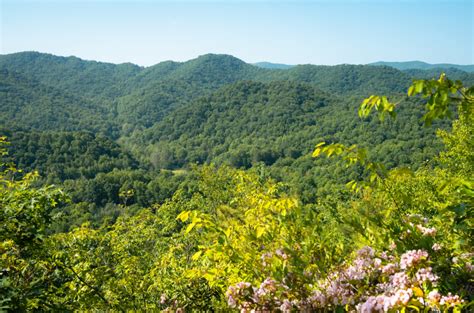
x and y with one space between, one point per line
27 276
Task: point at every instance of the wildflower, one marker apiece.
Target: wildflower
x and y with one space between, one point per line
377 263
265 257
286 306
434 296
231 301
412 257
425 274
431 232
389 269
450 300
401 297
436 247
400 279
163 298
243 285
281 254
393 246
365 252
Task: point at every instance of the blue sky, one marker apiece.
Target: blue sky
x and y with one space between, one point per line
293 32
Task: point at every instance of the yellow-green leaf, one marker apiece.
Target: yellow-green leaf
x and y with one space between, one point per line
196 255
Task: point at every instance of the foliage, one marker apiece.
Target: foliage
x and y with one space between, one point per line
25 213
136 236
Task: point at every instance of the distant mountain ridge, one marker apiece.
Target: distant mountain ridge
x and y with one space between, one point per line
215 108
419 65
273 66
42 91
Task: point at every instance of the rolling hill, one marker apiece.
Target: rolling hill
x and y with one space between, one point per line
419 65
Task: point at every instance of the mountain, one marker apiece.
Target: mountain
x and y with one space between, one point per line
249 122
87 78
101 128
344 79
212 69
273 66
67 155
29 104
419 65
453 73
166 86
46 92
141 105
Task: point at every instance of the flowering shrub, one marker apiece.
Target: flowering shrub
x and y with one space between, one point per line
372 282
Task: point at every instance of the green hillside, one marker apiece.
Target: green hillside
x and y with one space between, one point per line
418 65
88 78
30 104
212 109
289 231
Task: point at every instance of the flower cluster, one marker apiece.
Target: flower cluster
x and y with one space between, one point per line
425 231
418 223
266 257
412 258
449 301
241 292
265 298
393 284
372 282
169 305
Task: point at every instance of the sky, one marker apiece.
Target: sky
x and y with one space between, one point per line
147 32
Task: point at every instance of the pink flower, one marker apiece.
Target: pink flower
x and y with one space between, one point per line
434 296
379 303
425 274
318 299
450 300
265 257
163 298
389 269
243 285
401 297
286 306
426 231
365 252
281 254
400 279
412 257
231 302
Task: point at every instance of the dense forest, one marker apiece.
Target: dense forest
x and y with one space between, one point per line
202 186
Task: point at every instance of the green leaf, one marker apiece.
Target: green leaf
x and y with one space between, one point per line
260 231
183 216
189 228
196 255
419 84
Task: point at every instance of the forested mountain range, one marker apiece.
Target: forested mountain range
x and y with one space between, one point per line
403 66
95 118
204 186
418 65
271 65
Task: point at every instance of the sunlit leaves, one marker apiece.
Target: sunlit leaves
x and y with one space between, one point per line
380 104
442 95
352 155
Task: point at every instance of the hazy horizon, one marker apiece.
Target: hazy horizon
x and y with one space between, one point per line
261 61
302 32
